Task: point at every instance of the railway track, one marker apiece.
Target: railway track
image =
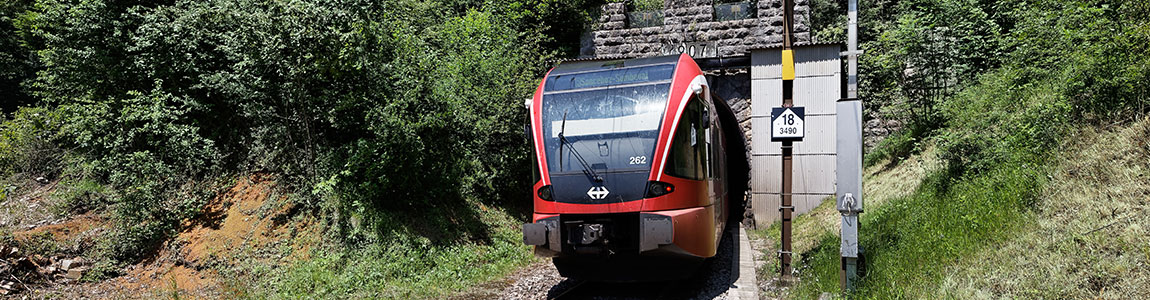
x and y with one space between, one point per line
566 290
720 278
601 290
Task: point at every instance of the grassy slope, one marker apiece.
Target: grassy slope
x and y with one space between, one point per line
813 230
1085 236
1088 237
911 240
408 266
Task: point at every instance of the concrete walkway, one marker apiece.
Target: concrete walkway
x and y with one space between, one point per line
746 287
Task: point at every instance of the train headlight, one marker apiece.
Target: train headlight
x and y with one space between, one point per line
658 188
545 193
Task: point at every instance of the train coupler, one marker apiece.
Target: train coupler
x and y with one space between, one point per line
545 235
656 230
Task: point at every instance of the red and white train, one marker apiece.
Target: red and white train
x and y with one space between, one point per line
638 168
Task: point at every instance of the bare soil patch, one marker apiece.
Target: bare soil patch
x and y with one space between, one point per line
249 215
236 219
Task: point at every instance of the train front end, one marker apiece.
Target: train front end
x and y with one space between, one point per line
625 166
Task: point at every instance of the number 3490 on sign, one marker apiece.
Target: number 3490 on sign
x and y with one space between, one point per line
787 124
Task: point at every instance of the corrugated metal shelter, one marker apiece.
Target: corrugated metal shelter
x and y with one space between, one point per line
817 86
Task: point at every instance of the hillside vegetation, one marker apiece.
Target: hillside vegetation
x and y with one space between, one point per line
1018 98
396 125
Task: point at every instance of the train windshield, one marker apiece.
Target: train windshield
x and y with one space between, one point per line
609 118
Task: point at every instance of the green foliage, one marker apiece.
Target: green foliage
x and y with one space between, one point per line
895 147
1100 49
1024 108
28 143
918 54
5 191
145 151
42 242
458 145
78 196
828 20
17 61
642 5
933 49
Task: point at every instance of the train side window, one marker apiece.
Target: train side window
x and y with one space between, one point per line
703 149
715 149
687 158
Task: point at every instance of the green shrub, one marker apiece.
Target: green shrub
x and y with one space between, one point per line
27 143
79 195
42 242
146 151
897 146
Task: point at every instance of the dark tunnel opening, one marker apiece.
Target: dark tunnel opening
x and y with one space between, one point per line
738 164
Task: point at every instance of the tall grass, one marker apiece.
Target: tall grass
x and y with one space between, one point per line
910 242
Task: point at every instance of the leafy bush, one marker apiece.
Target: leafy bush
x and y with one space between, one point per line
895 147
79 196
828 21
145 149
27 143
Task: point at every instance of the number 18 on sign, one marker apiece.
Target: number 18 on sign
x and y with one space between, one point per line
787 124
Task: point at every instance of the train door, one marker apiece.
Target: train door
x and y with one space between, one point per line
715 164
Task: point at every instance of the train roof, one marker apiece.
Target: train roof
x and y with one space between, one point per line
578 75
579 66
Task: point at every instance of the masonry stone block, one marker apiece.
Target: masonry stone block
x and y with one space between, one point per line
691 21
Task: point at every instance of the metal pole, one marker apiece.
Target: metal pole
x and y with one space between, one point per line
852 49
849 156
786 207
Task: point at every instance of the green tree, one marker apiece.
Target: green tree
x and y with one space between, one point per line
17 62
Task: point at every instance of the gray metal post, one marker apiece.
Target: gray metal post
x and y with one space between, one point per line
852 49
849 149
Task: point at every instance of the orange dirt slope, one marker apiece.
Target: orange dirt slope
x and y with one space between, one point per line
244 219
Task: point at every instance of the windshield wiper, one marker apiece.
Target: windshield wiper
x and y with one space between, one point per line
587 170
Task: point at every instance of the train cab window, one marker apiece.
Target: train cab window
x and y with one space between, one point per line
688 157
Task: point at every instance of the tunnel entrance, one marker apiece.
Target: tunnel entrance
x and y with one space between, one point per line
738 164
